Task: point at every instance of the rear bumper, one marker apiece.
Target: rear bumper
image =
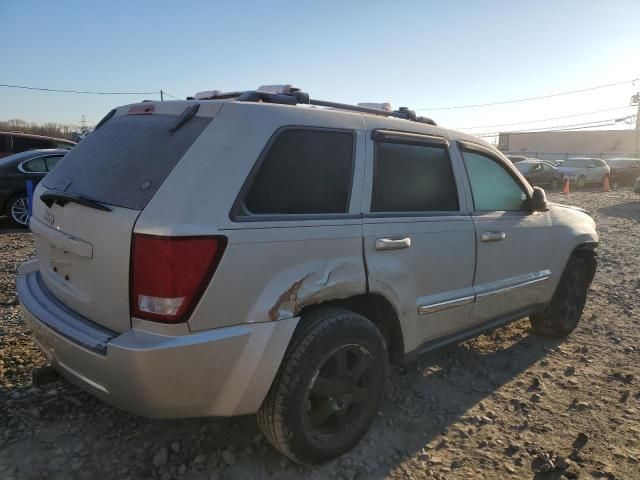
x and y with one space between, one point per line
221 372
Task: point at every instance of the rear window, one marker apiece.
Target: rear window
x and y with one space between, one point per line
304 171
123 162
413 178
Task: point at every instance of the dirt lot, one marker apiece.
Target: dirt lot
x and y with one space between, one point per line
505 405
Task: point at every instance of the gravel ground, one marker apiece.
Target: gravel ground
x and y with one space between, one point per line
505 405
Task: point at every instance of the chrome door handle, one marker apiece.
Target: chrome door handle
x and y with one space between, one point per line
392 243
493 236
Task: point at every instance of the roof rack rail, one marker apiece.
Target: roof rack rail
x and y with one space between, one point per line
294 96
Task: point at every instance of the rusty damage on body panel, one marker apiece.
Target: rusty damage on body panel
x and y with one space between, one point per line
339 280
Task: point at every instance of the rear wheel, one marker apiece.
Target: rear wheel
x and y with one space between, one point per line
581 181
554 184
562 315
18 211
328 389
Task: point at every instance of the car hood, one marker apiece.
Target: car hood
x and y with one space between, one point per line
570 207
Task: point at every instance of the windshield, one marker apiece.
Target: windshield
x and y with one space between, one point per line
575 163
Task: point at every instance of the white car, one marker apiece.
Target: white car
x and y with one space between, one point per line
585 171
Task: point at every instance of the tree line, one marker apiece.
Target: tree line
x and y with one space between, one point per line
49 129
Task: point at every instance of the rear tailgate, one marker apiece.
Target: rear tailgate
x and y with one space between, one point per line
83 231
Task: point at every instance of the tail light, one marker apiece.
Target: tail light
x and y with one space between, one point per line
169 274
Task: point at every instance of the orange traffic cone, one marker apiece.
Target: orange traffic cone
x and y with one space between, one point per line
565 189
605 184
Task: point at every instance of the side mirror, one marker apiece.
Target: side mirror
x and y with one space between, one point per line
538 201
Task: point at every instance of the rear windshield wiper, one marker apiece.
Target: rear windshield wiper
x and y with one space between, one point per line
62 198
185 116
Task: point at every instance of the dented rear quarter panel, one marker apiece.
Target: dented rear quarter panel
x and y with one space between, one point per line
272 267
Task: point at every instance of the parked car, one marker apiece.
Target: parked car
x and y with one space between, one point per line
518 158
244 253
16 142
555 163
540 173
624 171
584 171
15 170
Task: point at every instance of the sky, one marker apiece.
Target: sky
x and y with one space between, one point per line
420 54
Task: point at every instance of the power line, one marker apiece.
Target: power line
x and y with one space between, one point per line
572 126
76 91
169 95
544 119
527 99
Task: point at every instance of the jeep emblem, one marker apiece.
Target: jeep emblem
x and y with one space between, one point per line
48 217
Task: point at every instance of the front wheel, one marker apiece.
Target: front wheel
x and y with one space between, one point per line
554 184
562 315
18 211
581 182
328 389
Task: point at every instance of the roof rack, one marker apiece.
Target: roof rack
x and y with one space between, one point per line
288 95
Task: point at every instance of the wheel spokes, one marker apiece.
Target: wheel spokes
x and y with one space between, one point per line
324 387
322 413
360 368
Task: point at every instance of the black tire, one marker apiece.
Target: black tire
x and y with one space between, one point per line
581 182
15 211
554 184
562 315
310 385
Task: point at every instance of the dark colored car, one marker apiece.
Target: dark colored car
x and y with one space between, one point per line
15 170
624 171
517 158
540 173
16 142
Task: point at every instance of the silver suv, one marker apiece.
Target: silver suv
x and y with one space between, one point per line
584 171
263 252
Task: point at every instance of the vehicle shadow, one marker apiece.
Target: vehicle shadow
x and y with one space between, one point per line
421 402
7 227
629 210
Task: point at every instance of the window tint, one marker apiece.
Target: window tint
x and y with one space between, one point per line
413 178
22 144
6 146
52 161
304 172
36 165
493 188
125 161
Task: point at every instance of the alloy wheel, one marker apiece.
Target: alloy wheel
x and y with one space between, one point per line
338 396
20 211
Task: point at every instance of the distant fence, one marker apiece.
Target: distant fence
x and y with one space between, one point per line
566 155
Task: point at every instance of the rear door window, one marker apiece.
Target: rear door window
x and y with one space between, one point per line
124 161
52 161
413 178
304 171
37 165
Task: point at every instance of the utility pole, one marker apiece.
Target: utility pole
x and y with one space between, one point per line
161 96
635 100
